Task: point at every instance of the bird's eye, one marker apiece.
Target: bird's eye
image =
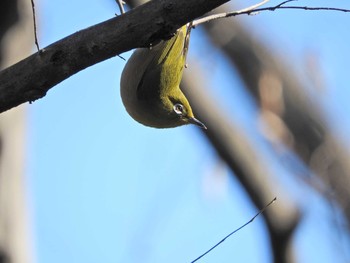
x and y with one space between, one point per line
179 108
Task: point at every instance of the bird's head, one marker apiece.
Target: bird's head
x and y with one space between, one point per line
168 110
177 110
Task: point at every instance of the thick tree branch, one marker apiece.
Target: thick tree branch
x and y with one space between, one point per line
32 77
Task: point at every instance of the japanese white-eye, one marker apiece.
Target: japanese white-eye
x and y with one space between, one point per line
150 84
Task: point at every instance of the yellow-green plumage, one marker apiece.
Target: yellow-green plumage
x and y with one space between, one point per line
150 84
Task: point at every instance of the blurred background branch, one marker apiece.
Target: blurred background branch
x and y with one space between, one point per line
288 107
15 234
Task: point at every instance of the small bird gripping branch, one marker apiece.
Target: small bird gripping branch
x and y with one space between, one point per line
150 84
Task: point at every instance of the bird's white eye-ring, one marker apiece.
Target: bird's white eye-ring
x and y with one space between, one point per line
178 108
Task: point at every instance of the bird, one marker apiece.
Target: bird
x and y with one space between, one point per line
150 83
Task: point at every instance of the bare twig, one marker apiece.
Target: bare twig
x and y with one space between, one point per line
34 22
304 8
121 3
222 240
253 6
254 10
224 15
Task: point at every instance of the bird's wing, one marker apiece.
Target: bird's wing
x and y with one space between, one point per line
173 49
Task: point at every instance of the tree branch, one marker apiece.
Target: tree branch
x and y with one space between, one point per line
34 26
255 10
32 77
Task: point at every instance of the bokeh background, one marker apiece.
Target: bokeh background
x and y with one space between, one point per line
99 187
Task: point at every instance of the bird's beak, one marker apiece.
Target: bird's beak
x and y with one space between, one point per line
194 121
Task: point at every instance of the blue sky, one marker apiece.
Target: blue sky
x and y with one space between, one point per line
107 189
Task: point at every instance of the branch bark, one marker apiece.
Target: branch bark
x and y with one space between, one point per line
32 77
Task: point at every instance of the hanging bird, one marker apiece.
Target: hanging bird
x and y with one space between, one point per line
150 84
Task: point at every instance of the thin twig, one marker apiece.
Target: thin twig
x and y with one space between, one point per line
306 8
223 15
253 6
251 11
251 220
34 22
121 6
